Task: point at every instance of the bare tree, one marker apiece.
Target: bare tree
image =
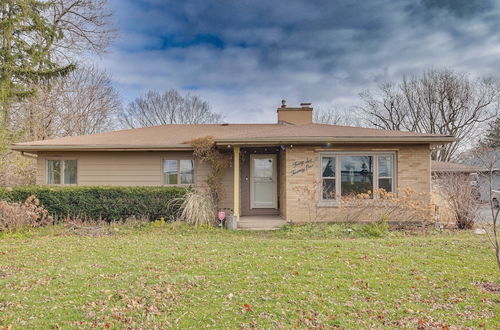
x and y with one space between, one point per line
333 116
489 158
439 102
84 102
85 24
170 107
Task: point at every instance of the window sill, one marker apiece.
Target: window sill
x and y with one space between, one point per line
62 184
335 203
338 203
183 185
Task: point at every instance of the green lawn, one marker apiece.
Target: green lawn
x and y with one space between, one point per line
182 277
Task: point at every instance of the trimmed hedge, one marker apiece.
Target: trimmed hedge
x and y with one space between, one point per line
108 203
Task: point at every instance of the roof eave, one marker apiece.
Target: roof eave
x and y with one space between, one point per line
239 141
176 147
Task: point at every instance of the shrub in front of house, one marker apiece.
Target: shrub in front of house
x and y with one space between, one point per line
29 214
107 203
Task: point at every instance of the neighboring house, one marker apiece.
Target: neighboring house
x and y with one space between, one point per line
478 176
484 183
471 158
271 163
440 169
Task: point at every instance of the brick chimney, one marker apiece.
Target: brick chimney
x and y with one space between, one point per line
295 116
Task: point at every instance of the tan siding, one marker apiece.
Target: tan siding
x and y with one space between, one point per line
228 193
119 168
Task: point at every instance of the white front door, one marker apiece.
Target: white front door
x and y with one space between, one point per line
263 182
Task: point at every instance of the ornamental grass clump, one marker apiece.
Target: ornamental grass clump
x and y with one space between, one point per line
198 209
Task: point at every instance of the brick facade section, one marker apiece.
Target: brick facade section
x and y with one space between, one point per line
303 186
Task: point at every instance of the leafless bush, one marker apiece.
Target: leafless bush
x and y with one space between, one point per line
461 198
16 216
408 206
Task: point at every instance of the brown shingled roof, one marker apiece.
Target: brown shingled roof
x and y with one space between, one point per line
447 167
177 136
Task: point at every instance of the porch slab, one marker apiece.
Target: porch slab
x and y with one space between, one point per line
261 222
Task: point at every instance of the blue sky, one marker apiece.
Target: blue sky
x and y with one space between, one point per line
244 56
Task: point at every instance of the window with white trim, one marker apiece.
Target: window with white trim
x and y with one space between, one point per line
178 171
328 183
348 174
385 172
62 171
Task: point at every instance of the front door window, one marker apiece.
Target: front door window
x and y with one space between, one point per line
263 186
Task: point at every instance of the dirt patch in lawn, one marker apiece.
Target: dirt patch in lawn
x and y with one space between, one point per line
489 287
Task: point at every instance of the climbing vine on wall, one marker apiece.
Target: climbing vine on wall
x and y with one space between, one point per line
206 151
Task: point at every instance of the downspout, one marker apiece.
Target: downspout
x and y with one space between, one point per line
28 155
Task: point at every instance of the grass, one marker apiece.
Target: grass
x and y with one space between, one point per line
167 275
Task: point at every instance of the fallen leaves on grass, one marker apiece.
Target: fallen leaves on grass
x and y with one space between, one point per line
489 287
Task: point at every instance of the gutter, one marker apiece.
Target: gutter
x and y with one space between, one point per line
354 139
23 148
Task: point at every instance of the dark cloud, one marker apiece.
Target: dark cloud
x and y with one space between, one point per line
459 8
245 56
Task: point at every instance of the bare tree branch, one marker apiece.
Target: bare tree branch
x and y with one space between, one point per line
85 24
84 102
170 107
438 102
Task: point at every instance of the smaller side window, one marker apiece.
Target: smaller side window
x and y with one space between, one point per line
61 171
53 171
385 172
187 171
328 186
170 171
178 171
70 169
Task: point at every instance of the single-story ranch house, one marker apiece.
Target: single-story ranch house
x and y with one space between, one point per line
281 170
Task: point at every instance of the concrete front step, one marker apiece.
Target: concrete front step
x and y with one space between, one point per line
260 222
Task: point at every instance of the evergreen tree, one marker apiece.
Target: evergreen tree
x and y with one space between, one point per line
492 138
25 51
